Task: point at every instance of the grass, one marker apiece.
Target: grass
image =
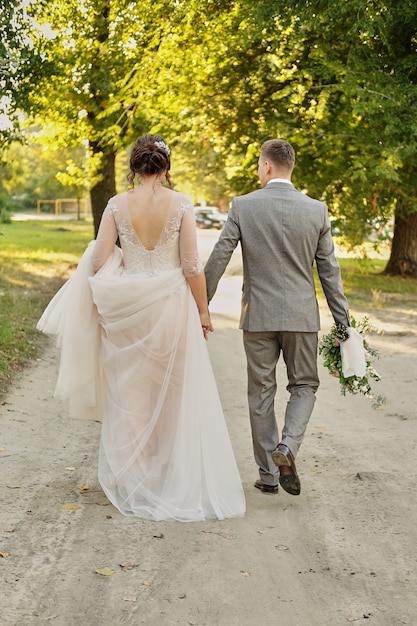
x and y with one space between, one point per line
36 257
366 286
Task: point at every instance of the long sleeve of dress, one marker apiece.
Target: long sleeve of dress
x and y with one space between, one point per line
106 238
190 260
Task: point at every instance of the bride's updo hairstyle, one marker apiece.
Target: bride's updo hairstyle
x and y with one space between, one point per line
150 155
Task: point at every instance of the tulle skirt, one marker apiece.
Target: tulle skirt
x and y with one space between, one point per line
134 356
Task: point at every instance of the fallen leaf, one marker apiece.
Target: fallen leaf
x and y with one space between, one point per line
105 571
352 619
70 506
148 583
262 532
128 565
103 502
13 486
192 623
321 426
182 596
313 469
129 598
244 573
84 487
4 555
281 547
70 469
9 530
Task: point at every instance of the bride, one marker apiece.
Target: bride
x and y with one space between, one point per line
131 325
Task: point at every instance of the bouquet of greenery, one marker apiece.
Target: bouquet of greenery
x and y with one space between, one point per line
329 348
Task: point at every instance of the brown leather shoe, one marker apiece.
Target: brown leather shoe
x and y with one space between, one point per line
271 489
284 458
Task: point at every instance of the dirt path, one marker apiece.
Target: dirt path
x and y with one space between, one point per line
344 551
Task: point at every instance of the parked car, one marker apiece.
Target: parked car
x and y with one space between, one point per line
210 217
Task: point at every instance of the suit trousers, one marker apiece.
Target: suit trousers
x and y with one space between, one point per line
263 350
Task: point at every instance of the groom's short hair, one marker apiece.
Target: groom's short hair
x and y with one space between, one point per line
279 152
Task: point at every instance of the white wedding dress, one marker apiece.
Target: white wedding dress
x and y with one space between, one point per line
133 355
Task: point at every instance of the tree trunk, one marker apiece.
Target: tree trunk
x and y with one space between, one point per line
403 259
105 188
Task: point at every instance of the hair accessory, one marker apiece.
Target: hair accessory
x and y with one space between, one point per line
161 144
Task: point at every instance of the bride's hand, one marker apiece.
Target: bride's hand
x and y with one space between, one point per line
206 324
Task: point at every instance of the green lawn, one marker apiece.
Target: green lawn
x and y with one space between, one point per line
367 287
35 259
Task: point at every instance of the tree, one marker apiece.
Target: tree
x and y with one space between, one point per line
11 39
219 87
91 71
75 77
338 82
358 108
218 78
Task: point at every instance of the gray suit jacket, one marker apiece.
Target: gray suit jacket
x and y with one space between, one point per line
282 232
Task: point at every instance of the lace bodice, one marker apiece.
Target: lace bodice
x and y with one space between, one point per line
176 247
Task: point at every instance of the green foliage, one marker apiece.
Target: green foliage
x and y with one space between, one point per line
218 78
90 73
216 109
11 38
31 172
329 348
333 78
5 215
92 64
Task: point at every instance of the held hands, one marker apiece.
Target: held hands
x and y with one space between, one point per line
206 324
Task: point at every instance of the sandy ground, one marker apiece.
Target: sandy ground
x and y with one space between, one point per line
344 551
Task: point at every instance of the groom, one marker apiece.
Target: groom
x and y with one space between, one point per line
282 232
